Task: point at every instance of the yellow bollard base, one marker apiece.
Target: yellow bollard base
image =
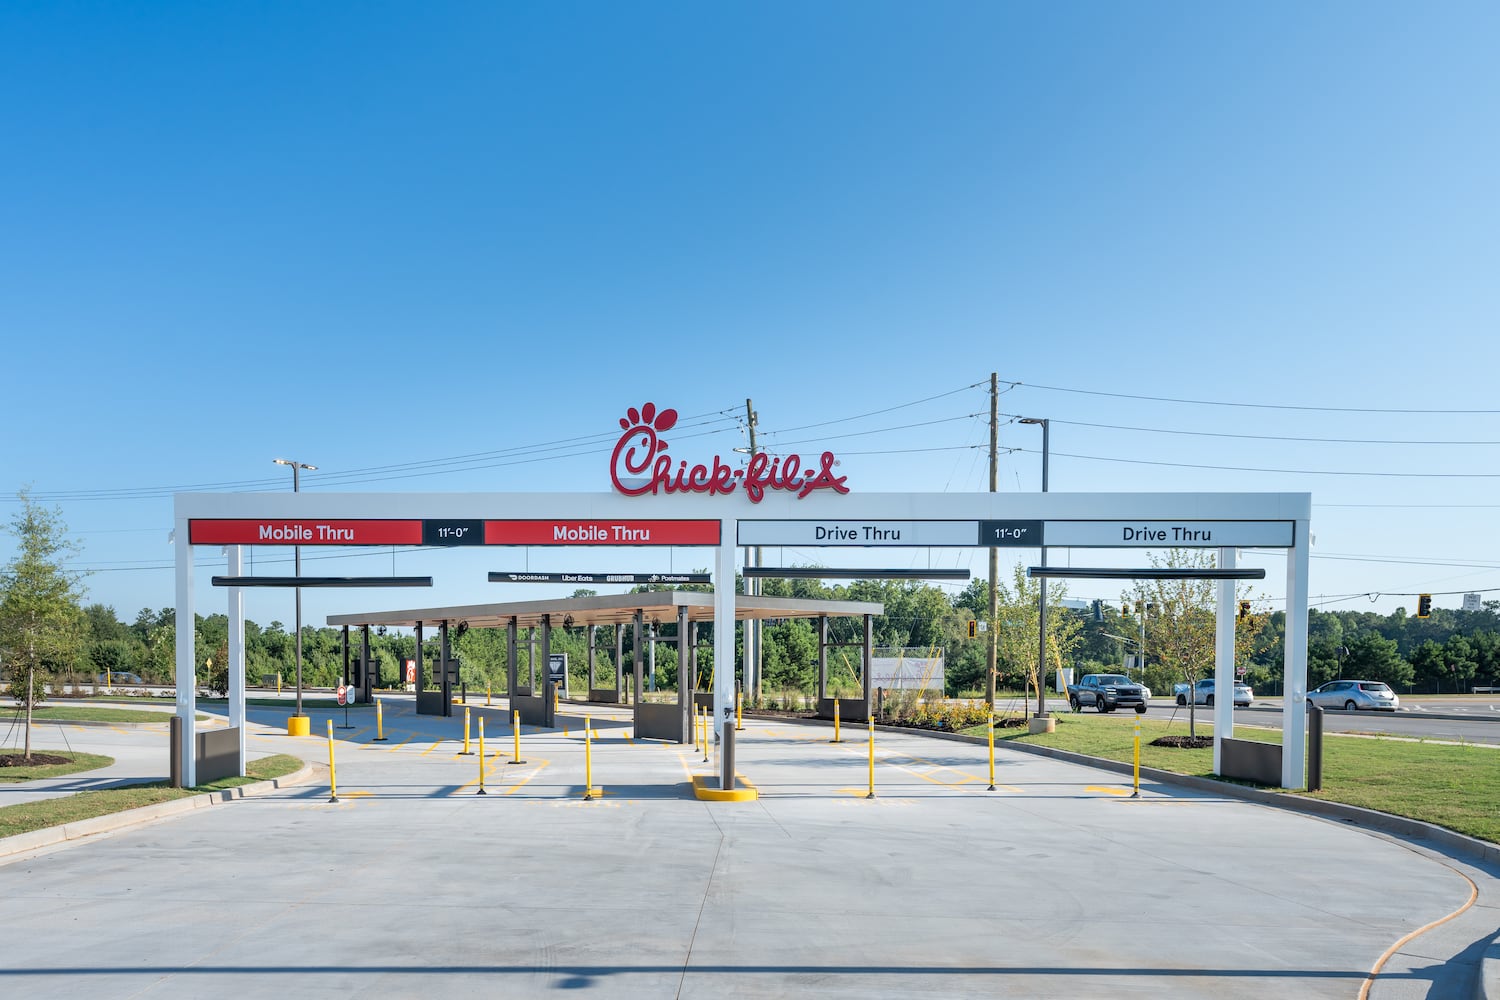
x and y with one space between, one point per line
298 725
706 788
593 793
1047 725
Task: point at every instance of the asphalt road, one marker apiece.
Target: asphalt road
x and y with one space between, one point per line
1472 722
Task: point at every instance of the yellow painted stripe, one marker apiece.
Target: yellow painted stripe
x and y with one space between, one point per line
1364 990
516 787
1106 790
429 750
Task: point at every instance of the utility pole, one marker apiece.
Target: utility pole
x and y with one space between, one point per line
991 654
752 586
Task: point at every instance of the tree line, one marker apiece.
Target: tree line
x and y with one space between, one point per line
46 630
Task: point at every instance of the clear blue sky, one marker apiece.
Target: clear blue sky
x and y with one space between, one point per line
367 235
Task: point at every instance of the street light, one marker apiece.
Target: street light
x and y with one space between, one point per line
297 571
1341 652
1041 673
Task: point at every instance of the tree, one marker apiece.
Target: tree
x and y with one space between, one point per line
1018 644
41 624
1180 621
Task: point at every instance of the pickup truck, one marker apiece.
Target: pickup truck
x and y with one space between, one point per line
1107 692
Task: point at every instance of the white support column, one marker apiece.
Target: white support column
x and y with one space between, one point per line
1294 667
236 664
187 681
1224 622
724 624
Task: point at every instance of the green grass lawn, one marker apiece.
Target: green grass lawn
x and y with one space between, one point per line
31 772
1453 786
27 816
286 703
92 713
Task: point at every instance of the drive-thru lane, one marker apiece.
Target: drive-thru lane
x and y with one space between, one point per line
1057 884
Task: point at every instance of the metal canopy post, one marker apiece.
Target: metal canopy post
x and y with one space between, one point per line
593 631
548 688
510 661
684 673
444 654
619 662
236 664
822 659
421 664
187 682
344 637
370 674
1294 666
638 622
1224 635
869 667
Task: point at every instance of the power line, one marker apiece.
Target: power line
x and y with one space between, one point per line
873 413
1295 472
1253 437
1253 406
881 430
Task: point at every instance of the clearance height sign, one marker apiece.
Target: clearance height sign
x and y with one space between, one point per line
450 532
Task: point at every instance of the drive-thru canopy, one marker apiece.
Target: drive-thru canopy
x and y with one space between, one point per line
684 609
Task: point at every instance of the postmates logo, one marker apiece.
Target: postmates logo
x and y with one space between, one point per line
640 465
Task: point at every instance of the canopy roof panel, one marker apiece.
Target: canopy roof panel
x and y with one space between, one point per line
610 609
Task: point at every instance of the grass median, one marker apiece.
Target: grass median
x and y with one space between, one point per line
90 713
76 762
25 817
1455 786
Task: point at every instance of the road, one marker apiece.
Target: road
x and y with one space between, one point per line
1448 719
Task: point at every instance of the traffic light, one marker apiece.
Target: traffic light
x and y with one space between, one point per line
973 628
1424 605
1244 609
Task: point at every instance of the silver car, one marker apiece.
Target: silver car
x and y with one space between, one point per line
1352 696
1203 693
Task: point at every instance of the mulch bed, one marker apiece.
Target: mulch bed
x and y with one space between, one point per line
20 760
1184 742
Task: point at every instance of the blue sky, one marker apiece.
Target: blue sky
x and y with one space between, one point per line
381 234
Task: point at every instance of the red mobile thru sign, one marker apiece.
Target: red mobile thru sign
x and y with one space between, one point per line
303 531
640 465
601 532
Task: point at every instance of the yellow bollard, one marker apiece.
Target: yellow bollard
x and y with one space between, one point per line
835 722
992 750
379 722
515 728
1137 793
466 751
278 682
707 732
486 696
588 764
481 756
333 777
739 711
872 758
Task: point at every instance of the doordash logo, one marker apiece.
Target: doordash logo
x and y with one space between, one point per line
640 465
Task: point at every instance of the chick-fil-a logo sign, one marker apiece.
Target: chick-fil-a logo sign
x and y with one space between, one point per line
640 465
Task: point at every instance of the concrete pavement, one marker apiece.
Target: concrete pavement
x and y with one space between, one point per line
1056 884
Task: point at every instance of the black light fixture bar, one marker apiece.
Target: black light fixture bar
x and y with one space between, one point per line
826 573
1151 573
322 581
525 577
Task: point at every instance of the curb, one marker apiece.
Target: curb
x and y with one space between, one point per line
53 835
1487 978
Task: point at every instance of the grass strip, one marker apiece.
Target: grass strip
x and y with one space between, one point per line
89 713
25 817
31 772
1454 786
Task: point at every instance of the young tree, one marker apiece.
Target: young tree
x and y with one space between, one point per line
41 624
1018 644
1180 625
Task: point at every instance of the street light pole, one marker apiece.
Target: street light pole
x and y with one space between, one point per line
1041 670
1341 652
297 571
